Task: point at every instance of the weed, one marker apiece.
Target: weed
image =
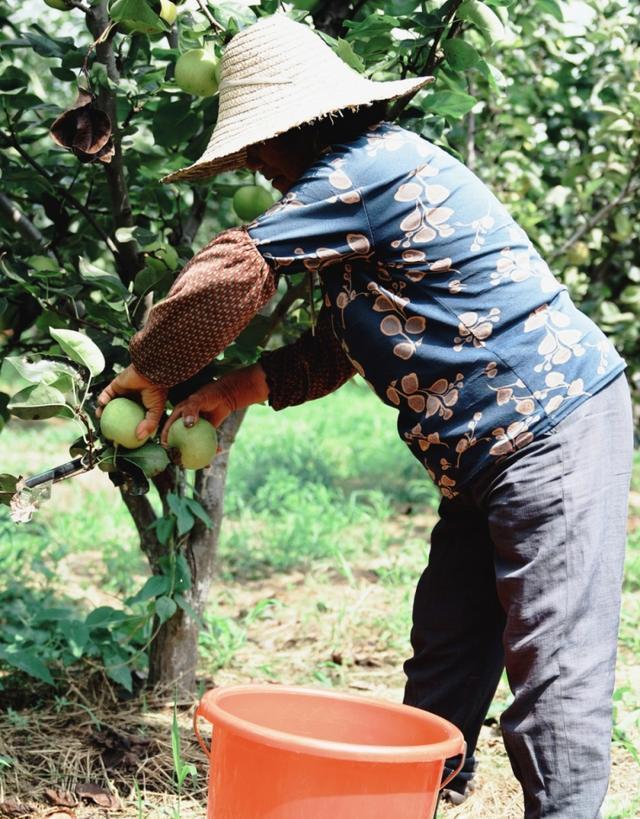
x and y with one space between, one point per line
181 768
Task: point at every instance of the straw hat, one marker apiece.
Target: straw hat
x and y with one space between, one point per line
277 74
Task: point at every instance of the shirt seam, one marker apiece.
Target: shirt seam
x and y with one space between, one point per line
366 214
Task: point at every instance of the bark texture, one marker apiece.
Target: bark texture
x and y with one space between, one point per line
174 651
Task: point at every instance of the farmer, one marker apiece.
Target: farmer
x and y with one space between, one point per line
514 401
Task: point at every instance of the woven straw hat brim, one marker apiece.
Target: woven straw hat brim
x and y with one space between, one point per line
216 160
276 75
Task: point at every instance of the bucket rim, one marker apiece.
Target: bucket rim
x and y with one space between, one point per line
211 708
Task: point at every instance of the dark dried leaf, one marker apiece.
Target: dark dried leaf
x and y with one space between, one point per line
65 799
120 750
368 662
100 796
84 130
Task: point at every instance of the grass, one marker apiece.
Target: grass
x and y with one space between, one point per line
325 534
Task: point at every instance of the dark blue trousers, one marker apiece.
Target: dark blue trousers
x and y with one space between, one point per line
525 572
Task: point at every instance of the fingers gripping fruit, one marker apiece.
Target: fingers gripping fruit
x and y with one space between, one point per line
119 420
197 444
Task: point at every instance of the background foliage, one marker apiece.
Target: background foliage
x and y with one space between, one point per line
541 98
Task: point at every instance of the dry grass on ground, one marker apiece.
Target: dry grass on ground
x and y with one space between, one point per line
344 628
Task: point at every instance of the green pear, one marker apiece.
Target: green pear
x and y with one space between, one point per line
119 420
250 201
197 444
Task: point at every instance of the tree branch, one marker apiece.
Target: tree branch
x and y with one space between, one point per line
129 260
69 197
628 191
212 20
432 58
144 517
194 219
294 293
77 4
24 226
470 136
329 17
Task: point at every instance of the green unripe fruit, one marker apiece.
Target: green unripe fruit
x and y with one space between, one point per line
484 18
197 72
60 5
197 444
250 201
168 11
578 253
119 420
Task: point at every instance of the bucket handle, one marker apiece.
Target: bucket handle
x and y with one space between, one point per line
463 757
201 741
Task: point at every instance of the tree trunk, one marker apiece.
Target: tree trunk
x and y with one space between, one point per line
174 651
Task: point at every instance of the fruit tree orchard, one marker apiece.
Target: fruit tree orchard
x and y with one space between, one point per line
540 97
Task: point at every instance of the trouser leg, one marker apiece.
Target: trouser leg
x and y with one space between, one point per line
457 624
557 517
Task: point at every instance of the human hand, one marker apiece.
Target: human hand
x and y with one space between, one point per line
215 401
153 397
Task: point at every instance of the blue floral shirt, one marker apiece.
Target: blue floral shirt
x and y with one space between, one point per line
439 300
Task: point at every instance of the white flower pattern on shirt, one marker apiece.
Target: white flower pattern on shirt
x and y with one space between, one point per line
439 300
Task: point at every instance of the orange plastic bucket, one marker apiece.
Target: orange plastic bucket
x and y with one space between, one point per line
279 752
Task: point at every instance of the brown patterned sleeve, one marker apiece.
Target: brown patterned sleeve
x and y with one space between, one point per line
213 299
311 367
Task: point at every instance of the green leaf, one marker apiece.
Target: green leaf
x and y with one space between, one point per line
125 234
151 278
460 54
104 616
165 608
345 51
182 578
76 634
29 662
135 234
151 458
13 79
164 527
138 14
63 74
453 104
102 279
174 122
156 585
120 674
7 488
5 415
180 509
551 7
80 348
39 402
47 46
199 511
188 608
44 371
